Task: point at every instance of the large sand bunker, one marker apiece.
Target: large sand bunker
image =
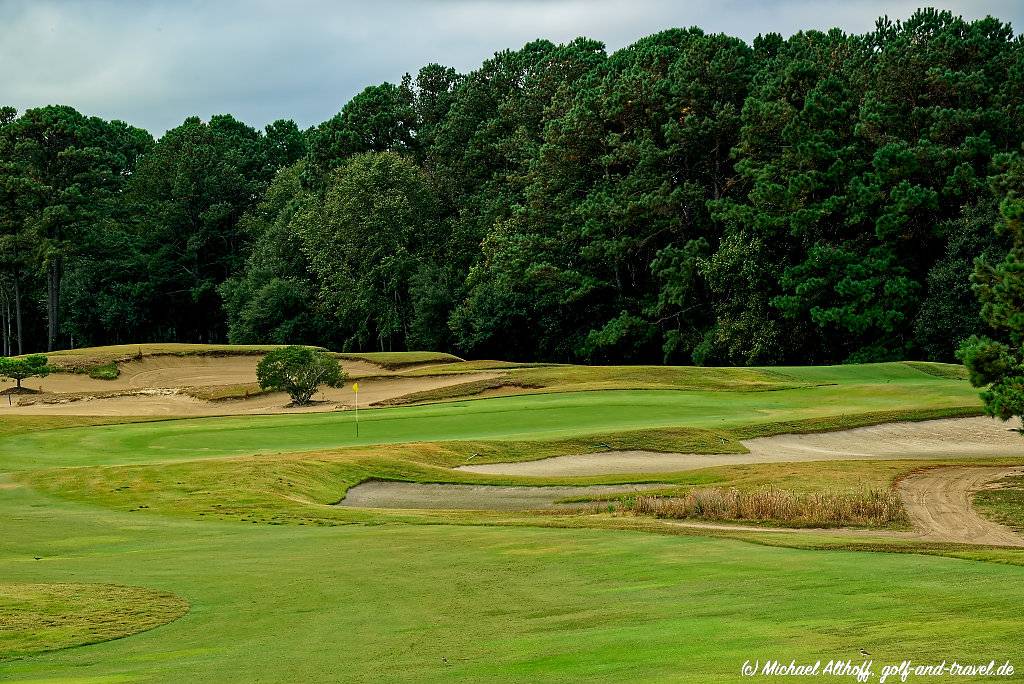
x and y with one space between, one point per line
954 437
172 401
169 372
412 495
162 385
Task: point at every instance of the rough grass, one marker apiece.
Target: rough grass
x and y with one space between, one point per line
460 391
1004 503
869 508
850 421
399 360
949 371
534 378
87 359
40 617
225 392
563 378
18 425
554 378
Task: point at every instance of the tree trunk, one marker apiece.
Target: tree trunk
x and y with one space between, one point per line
17 311
53 277
8 343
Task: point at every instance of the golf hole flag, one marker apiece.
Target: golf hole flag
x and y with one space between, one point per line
355 388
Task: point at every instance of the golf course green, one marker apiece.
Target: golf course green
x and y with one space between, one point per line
828 392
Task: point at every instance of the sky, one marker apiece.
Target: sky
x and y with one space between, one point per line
153 63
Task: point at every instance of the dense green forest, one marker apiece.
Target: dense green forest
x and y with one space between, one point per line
689 198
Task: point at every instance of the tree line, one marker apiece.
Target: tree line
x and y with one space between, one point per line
691 198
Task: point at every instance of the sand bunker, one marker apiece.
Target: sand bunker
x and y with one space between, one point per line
172 402
158 372
948 438
411 495
167 372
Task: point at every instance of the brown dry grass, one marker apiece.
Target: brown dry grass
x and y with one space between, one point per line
872 508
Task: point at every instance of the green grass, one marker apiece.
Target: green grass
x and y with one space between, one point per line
107 371
234 516
45 617
837 397
395 602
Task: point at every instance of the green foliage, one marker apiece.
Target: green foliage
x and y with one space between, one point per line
997 363
362 238
299 371
18 369
273 299
107 371
687 198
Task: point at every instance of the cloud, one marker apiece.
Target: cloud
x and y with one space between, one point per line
154 63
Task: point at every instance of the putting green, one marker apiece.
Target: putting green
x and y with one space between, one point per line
440 603
843 391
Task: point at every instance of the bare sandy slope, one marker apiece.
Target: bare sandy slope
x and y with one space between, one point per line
166 372
954 437
939 502
157 401
411 495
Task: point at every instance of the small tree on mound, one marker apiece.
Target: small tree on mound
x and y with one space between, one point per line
299 371
33 365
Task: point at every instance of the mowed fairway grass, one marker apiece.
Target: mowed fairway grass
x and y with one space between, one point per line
833 391
390 601
442 603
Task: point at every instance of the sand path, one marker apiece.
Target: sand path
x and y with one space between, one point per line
939 502
947 438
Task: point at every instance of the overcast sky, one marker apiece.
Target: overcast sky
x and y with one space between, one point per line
153 63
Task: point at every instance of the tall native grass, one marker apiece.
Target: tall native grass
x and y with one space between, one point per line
872 508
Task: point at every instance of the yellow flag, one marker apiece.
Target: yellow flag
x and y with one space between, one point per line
355 387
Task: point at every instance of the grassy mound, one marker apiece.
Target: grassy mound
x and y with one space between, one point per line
45 617
1004 503
399 360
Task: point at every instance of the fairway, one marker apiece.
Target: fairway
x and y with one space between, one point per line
439 603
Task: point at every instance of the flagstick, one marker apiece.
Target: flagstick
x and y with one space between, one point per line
355 389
